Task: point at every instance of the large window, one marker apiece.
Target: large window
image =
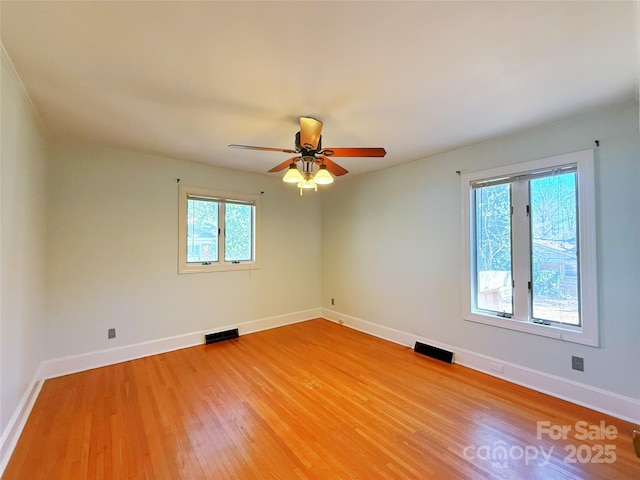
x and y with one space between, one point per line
218 231
529 256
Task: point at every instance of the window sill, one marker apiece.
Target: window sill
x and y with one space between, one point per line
217 267
576 335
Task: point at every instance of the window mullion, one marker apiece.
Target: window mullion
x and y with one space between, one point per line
520 250
221 232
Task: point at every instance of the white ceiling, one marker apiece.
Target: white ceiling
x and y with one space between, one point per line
184 79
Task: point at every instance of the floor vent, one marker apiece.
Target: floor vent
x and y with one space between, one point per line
433 352
219 336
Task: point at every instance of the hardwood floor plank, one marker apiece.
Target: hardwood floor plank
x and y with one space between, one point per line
312 400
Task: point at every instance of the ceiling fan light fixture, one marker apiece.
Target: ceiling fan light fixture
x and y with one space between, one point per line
306 184
323 177
293 174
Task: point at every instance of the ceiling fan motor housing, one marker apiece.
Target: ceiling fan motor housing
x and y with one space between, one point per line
307 151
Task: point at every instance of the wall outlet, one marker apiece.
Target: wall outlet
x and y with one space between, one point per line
111 333
577 363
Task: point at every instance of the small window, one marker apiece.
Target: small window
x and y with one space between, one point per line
218 231
529 256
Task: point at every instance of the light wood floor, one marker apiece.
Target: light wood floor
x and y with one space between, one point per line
310 400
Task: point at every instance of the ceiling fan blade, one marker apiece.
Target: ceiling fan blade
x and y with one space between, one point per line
354 152
268 149
333 167
310 130
283 165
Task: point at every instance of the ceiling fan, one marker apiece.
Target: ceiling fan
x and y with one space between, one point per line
309 152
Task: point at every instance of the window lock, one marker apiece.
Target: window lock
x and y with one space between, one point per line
542 322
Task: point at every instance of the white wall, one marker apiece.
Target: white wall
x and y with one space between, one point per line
22 244
391 243
113 246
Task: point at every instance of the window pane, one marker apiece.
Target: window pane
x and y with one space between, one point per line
238 232
202 231
554 261
493 248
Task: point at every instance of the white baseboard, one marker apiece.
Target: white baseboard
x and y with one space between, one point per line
619 406
86 361
11 433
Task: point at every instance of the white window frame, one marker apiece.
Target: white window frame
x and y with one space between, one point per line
587 332
221 265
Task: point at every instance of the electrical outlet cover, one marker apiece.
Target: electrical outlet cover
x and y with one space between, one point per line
577 363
